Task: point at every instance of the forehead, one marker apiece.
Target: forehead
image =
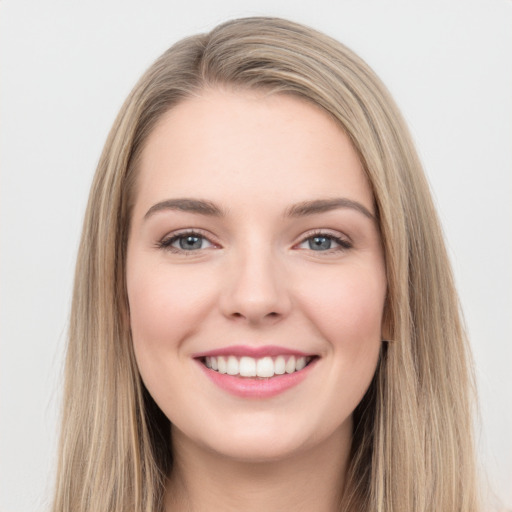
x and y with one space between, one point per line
238 145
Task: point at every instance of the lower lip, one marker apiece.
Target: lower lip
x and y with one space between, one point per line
247 387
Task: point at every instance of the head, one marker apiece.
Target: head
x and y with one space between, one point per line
397 424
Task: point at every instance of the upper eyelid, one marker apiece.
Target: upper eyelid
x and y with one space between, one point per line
189 231
329 232
323 231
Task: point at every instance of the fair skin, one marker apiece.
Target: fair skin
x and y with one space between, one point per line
275 253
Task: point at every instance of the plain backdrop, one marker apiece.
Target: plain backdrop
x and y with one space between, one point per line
67 66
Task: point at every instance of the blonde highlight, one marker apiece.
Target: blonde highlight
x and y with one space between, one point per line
413 446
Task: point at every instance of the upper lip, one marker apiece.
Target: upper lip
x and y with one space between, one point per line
255 352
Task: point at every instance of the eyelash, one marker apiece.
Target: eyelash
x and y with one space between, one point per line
343 243
166 243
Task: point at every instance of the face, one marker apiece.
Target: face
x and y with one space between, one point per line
255 275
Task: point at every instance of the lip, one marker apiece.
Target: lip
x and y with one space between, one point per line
255 387
255 352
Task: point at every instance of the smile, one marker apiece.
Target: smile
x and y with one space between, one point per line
264 367
256 372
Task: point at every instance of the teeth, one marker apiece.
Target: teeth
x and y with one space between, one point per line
300 363
222 365
248 367
290 365
232 366
264 367
280 365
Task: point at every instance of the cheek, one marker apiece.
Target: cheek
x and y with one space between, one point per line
348 307
165 306
351 318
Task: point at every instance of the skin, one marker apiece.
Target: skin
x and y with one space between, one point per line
255 280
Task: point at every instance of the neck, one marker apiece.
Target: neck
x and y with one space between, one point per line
203 480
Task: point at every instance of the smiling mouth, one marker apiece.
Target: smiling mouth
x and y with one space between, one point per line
263 368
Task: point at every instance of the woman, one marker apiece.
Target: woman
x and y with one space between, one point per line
264 317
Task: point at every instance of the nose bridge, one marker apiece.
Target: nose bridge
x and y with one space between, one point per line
256 289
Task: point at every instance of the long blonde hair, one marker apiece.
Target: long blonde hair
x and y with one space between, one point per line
412 446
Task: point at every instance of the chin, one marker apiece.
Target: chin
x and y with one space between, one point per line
262 439
261 450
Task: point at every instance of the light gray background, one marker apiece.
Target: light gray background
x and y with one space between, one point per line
67 66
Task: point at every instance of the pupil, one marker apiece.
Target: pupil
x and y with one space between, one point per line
320 243
190 242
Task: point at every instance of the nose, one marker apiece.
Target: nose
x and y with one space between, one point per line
254 290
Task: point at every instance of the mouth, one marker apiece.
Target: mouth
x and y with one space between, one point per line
266 367
257 373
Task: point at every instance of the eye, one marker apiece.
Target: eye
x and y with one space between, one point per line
325 242
185 242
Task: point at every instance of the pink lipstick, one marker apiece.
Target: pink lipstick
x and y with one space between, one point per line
256 372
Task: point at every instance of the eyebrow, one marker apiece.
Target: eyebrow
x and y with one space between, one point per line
187 205
326 205
302 209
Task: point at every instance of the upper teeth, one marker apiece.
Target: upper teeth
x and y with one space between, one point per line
251 367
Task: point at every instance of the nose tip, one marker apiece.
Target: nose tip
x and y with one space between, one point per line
256 293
